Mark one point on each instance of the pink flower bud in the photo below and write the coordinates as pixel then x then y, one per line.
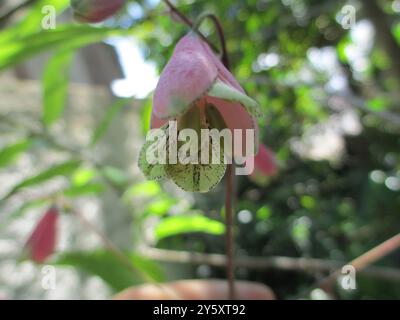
pixel 93 11
pixel 265 162
pixel 41 242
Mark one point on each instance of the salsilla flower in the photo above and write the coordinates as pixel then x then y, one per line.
pixel 41 243
pixel 197 91
pixel 93 11
pixel 265 163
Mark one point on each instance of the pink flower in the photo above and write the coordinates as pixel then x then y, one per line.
pixel 93 11
pixel 197 91
pixel 195 77
pixel 41 242
pixel 265 163
pixel 265 166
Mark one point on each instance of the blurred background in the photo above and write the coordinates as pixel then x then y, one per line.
pixel 75 103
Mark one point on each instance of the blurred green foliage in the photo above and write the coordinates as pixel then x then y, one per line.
pixel 317 208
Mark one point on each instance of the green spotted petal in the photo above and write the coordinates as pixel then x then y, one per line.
pixel 227 92
pixel 197 177
pixel 152 171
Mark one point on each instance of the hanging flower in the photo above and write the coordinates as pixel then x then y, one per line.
pixel 41 242
pixel 265 163
pixel 92 11
pixel 197 91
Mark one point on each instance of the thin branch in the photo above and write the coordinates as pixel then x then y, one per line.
pixel 221 35
pixel 264 263
pixel 385 115
pixel 188 22
pixel 365 259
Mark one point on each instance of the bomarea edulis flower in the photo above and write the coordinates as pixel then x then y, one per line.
pixel 197 91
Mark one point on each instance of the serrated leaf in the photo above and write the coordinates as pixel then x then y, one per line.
pixel 55 86
pixel 226 92
pixel 187 224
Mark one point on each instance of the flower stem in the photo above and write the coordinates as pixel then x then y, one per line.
pixel 220 30
pixel 187 21
pixel 230 268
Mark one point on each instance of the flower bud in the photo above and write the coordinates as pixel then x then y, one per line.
pixel 41 242
pixel 93 11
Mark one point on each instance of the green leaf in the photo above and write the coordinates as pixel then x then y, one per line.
pixel 32 21
pixel 186 224
pixel 10 153
pixel 148 267
pixel 102 264
pixel 68 37
pixel 63 169
pixel 159 207
pixel 145 115
pixel 263 213
pixel 378 103
pixel 83 176
pixel 105 265
pixel 55 86
pixel 115 175
pixel 83 190
pixel 112 111
pixel 144 189
pixel 226 92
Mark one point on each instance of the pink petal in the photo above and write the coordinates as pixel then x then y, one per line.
pixel 236 117
pixel 223 73
pixel 41 243
pixel 93 11
pixel 156 122
pixel 188 76
pixel 265 162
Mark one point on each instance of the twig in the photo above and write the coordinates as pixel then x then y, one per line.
pixel 365 259
pixel 221 35
pixel 188 22
pixel 265 263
